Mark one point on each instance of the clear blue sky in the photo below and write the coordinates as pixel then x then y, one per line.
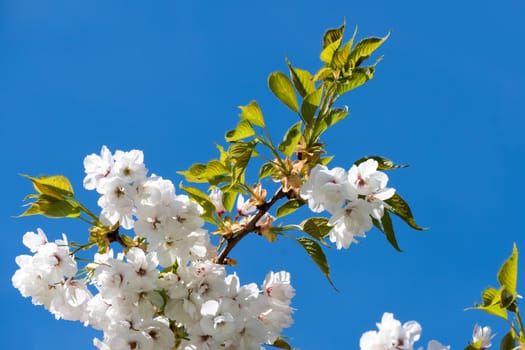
pixel 167 77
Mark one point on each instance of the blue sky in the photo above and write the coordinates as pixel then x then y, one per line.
pixel 167 78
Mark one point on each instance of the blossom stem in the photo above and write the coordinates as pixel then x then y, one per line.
pixel 520 322
pixel 250 226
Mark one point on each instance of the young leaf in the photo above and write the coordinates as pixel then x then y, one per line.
pixel 316 227
pixel 508 342
pixel 267 169
pixel 56 186
pixel 492 303
pixel 240 154
pixel 359 77
pixel 283 89
pixel 279 343
pixel 228 199
pixel 398 206
pixel 204 201
pixel 291 139
pixel 199 172
pixel 323 73
pixel 331 42
pixel 242 131
pixel 302 80
pixel 508 274
pixel 315 252
pixel 364 49
pixel 252 113
pixel 335 115
pixel 340 56
pixel 53 207
pixel 388 230
pixel 382 163
pixel 310 104
pixel 289 207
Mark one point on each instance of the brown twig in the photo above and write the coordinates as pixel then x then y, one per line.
pixel 249 227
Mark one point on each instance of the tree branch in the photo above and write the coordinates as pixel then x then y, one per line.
pixel 250 226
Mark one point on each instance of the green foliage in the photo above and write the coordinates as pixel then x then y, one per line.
pixel 57 186
pixel 508 274
pixel 508 342
pixel 398 206
pixel 364 49
pixel 358 77
pixel 252 113
pixel 386 226
pixel 315 252
pixel 280 343
pixel 52 207
pixel 492 303
pixel 290 206
pixel 283 89
pixel 311 104
pixel 291 139
pixel 331 42
pixel 243 130
pixel 199 172
pixel 500 301
pixel 55 198
pixel 204 200
pixel 302 80
pixel 316 227
pixel 267 169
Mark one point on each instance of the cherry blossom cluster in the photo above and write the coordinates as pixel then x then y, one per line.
pixel 352 197
pixel 159 294
pixel 392 335
pixel 171 223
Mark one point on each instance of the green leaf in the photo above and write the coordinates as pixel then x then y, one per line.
pixel 364 49
pixel 331 42
pixel 289 207
pixel 283 89
pixel 252 113
pixel 53 207
pixel 340 56
pixel 508 342
pixel 57 186
pixel 199 172
pixel 316 227
pixel 324 73
pixel 242 131
pixel 310 104
pixel 398 206
pixel 382 163
pixel 508 274
pixel 240 154
pixel 291 139
pixel 302 80
pixel 228 199
pixel 334 116
pixel 267 169
pixel 359 77
pixel 279 343
pixel 388 230
pixel 326 160
pixel 492 303
pixel 475 346
pixel 204 201
pixel 315 252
